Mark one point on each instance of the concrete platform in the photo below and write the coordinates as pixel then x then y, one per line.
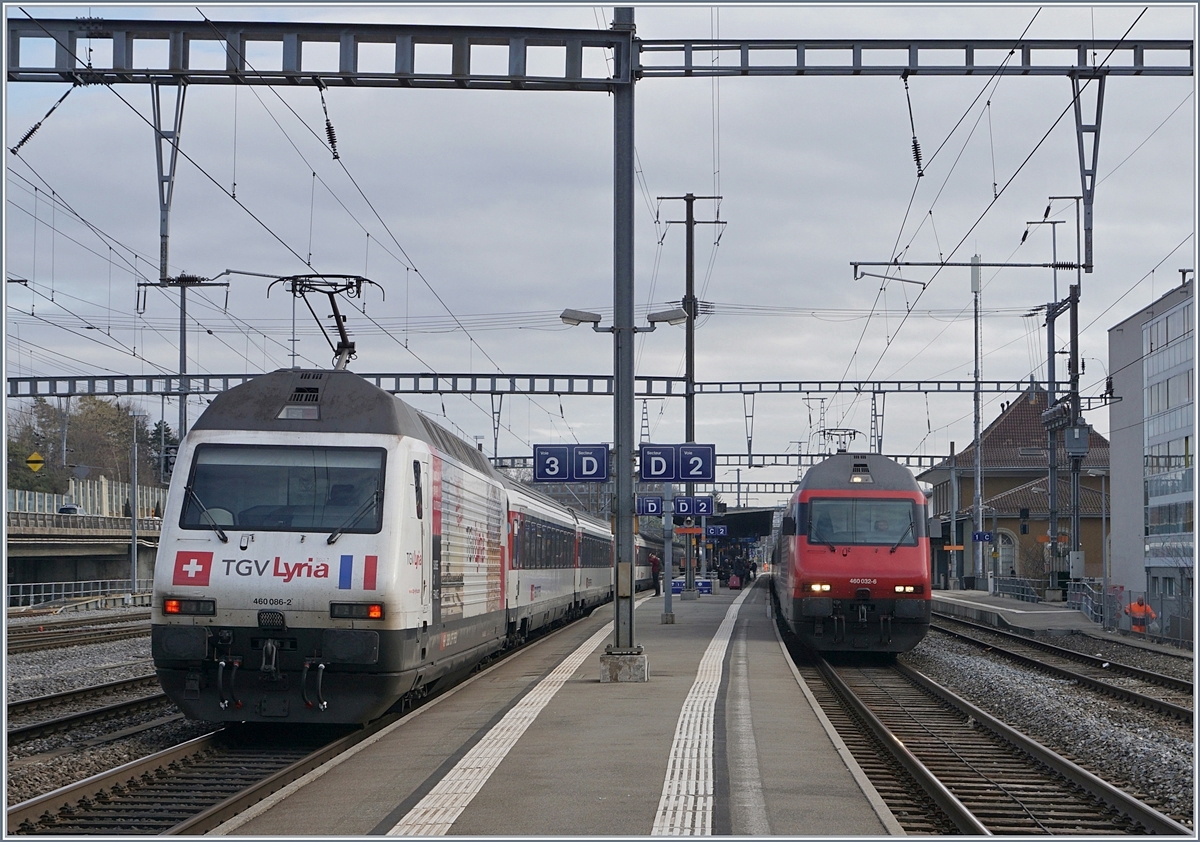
pixel 722 739
pixel 1012 614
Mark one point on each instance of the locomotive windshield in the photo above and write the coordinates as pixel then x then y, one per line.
pixel 861 520
pixel 285 489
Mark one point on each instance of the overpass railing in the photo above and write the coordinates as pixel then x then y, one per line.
pixel 45 523
pixel 44 593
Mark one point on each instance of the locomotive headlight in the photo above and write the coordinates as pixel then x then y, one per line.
pixel 204 607
pixel 356 610
pixel 910 589
pixel 818 587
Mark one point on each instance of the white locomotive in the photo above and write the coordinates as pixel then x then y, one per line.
pixel 327 551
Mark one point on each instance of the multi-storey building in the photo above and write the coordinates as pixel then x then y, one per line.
pixel 1152 360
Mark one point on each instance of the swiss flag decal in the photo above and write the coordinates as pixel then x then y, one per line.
pixel 192 568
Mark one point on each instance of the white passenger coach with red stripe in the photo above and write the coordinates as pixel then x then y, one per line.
pixel 328 552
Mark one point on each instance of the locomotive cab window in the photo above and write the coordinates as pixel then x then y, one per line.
pixel 864 521
pixel 286 489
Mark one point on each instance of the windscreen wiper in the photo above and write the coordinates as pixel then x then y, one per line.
pixel 204 510
pixel 903 535
pixel 356 517
pixel 824 541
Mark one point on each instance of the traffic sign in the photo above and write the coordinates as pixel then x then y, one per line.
pixel 570 463
pixel 716 531
pixel 35 461
pixel 678 462
pixel 981 537
pixel 649 505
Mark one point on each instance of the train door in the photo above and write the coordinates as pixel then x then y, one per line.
pixel 422 494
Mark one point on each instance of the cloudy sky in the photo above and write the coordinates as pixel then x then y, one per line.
pixel 496 211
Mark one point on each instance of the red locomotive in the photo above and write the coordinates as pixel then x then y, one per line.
pixel 853 572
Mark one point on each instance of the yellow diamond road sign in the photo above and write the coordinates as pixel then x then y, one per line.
pixel 35 461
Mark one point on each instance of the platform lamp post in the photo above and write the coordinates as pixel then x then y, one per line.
pixel 133 507
pixel 623 659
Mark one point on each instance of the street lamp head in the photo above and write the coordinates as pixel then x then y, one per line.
pixel 676 316
pixel 576 317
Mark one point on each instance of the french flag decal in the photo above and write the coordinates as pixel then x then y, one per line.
pixel 346 572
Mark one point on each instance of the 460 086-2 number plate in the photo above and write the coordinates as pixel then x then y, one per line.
pixel 272 601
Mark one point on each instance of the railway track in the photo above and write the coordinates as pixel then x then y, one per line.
pixel 151 697
pixel 53 638
pixel 76 622
pixel 1164 694
pixel 984 777
pixel 188 789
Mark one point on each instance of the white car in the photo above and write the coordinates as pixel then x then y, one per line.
pixel 72 509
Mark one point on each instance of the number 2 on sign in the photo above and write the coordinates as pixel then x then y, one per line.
pixel 697 466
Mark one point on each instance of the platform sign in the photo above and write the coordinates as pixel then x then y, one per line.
pixel 981 537
pixel 697 462
pixel 657 462
pixel 570 463
pixel 678 463
pixel 716 531
pixel 589 463
pixel 685 506
pixel 551 463
pixel 649 505
pixel 704 505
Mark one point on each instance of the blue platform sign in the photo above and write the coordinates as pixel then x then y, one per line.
pixel 716 531
pixel 589 463
pixel 685 505
pixel 678 463
pixel 570 463
pixel 657 462
pixel 649 505
pixel 704 505
pixel 551 463
pixel 697 462
pixel 981 537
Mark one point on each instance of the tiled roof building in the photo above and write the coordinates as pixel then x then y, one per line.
pixel 1013 456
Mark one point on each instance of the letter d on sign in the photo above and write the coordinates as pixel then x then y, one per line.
pixel 590 466
pixel 658 466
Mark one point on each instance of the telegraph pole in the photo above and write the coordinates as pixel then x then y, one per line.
pixel 689 395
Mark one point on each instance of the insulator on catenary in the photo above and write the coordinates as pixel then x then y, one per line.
pixel 332 138
pixel 25 139
pixel 917 157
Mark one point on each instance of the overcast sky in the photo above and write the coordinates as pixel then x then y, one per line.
pixel 503 202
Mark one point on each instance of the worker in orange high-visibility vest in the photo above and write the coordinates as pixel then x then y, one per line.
pixel 1137 612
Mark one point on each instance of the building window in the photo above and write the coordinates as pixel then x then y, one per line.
pixel 1154 585
pixel 1008 552
pixel 1169 581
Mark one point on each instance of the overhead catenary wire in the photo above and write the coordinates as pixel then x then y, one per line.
pixel 993 202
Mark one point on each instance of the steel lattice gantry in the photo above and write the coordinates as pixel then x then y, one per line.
pixel 631 59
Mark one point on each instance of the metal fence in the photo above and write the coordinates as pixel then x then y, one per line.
pixel 1016 587
pixel 98 497
pixel 42 593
